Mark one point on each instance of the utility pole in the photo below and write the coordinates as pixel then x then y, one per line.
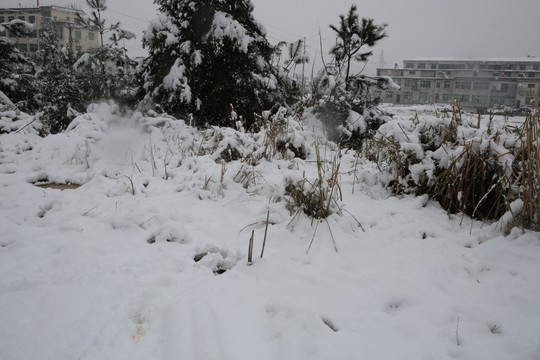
pixel 303 66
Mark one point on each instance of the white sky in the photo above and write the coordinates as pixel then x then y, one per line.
pixel 417 28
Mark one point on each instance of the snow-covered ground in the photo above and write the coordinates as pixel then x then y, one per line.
pixel 108 270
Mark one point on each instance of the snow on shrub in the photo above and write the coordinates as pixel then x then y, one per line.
pixel 12 120
pixel 470 167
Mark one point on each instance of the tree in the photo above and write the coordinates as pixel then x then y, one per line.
pixel 346 104
pixel 110 61
pixel 207 58
pixel 58 84
pixel 16 71
pixel 351 36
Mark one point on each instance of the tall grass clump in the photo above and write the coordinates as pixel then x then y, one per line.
pixel 317 198
pixel 529 171
pixel 481 170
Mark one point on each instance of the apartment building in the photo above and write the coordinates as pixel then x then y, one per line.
pixel 477 84
pixel 47 19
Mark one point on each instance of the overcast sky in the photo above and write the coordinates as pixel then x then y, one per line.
pixel 416 28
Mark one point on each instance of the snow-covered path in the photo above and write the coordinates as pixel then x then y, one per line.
pixel 99 273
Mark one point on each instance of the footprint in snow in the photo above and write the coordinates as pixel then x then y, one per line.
pixel 219 260
pixel 139 320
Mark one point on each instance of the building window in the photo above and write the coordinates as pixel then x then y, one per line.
pixel 446 97
pixel 91 36
pixel 531 86
pixel 33 48
pixel 77 34
pixel 504 87
pixel 409 66
pixel 463 85
pixel 423 96
pixel 409 82
pixel 11 18
pixel 32 19
pixel 479 99
pixel 481 86
pixel 22 18
pixel 408 95
pixel 446 85
pixel 536 67
pixel 421 66
pixel 497 100
pixel 461 97
pixel 2 19
pixel 412 72
pixel 23 48
pixel 522 67
pixel 531 74
pixel 425 83
pixel 438 84
pixel 433 66
pixel 67 18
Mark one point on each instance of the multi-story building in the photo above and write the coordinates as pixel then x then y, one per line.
pixel 476 83
pixel 46 19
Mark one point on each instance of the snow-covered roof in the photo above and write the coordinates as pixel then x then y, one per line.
pixel 38 9
pixel 476 59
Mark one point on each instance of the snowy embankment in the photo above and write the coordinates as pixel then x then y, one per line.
pixel 108 270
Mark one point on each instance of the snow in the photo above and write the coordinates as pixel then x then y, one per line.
pixel 108 270
pixel 176 79
pixel 224 26
pixel 84 60
pixel 390 84
pixel 164 26
pixel 5 100
pixel 301 59
pixel 23 25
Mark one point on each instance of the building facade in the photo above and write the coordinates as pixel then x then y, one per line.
pixel 477 84
pixel 46 19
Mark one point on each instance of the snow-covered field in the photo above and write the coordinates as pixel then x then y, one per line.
pixel 108 270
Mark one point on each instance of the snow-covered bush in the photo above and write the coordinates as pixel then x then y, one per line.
pixel 207 59
pixel 471 168
pixel 12 120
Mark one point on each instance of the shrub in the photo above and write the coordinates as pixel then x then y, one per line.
pixel 482 172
